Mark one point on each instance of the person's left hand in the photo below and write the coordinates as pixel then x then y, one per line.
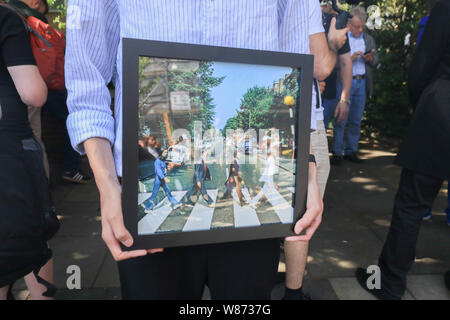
pixel 368 57
pixel 341 111
pixel 314 208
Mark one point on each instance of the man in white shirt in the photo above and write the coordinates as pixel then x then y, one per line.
pixel 95 32
pixel 364 57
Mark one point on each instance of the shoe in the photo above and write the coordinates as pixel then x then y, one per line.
pixel 336 160
pixel 176 206
pixel 362 276
pixel 447 279
pixel 353 157
pixel 427 216
pixel 189 204
pixel 76 177
pixel 253 206
pixel 211 205
pixel 296 295
pixel 149 209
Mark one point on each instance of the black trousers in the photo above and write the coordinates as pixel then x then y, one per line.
pixel 238 270
pixel 415 196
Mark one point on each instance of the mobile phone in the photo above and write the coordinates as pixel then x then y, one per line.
pixel 370 51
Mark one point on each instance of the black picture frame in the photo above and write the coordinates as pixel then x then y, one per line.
pixel 132 50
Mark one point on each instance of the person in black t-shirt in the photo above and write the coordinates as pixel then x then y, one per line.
pixel 23 247
pixel 335 89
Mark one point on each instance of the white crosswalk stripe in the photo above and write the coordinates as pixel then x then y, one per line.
pixel 201 215
pixel 244 216
pixel 143 196
pixel 283 209
pixel 151 222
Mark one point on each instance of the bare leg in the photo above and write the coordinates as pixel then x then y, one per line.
pixel 297 251
pixel 239 189
pixel 4 292
pixel 36 289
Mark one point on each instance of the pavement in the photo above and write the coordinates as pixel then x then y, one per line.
pixel 358 205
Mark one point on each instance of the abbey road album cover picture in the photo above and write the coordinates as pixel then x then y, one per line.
pixel 216 146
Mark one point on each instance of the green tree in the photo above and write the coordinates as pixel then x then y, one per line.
pixel 198 83
pixel 254 108
pixel 61 6
pixel 395 27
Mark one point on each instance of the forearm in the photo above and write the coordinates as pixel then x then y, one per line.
pixel 324 57
pixel 101 160
pixel 324 63
pixel 312 171
pixel 346 76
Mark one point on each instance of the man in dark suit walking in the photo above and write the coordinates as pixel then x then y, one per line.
pixel 424 154
pixel 201 174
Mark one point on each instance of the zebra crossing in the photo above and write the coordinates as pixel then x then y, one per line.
pixel 201 216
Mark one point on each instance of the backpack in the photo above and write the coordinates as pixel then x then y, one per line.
pixel 48 47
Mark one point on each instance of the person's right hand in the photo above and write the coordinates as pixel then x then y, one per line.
pixel 113 228
pixel 322 86
pixel 336 38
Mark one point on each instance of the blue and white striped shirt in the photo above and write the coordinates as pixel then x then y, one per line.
pixel 95 29
pixel 357 44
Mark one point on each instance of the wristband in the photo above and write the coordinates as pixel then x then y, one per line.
pixel 347 101
pixel 312 158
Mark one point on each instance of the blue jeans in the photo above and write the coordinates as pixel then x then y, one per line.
pixel 202 190
pixel 329 105
pixel 158 183
pixel 353 121
pixel 57 107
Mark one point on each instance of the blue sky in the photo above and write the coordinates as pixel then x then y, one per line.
pixel 238 79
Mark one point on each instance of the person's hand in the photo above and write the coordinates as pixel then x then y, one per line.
pixel 314 208
pixel 199 184
pixel 368 57
pixel 336 38
pixel 341 111
pixel 322 85
pixel 356 55
pixel 167 180
pixel 113 228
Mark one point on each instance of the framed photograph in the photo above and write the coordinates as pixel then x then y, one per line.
pixel 215 142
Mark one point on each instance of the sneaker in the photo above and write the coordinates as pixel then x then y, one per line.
pixel 353 157
pixel 76 177
pixel 189 204
pixel 336 160
pixel 427 216
pixel 178 205
pixel 211 205
pixel 362 276
pixel 149 209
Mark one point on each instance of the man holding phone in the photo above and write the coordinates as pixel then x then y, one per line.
pixel 364 57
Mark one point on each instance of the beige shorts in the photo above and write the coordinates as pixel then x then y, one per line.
pixel 319 144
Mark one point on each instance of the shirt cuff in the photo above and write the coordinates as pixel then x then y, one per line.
pixel 83 125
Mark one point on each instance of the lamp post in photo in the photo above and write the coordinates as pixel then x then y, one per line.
pixel 289 102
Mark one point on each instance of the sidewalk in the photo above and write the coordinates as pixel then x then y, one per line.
pixel 358 205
